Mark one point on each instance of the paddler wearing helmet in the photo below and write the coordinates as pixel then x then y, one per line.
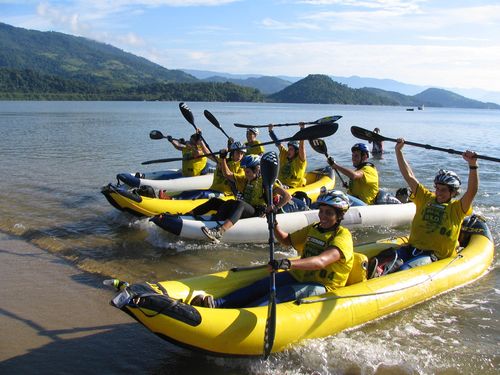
pixel 253 145
pixel 326 259
pixel 363 179
pixel 293 161
pixel 193 164
pixel 438 218
pixel 251 201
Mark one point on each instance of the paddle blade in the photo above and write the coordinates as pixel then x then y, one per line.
pixel 269 166
pixel 319 145
pixel 270 331
pixel 328 119
pixel 211 118
pixel 156 134
pixel 365 134
pixel 186 112
pixel 316 131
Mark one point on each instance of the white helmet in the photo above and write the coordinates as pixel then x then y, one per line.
pixel 336 199
pixel 448 178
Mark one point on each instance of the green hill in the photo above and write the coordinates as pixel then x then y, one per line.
pixel 321 89
pixel 445 98
pixel 56 66
pixel 75 58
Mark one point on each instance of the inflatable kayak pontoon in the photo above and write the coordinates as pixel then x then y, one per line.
pixel 255 229
pixel 130 200
pixel 164 309
pixel 170 180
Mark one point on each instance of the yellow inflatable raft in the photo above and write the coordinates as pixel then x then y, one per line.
pixel 162 308
pixel 130 201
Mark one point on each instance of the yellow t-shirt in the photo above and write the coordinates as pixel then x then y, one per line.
pixel 436 226
pixel 311 241
pixel 365 188
pixel 292 172
pixel 221 183
pixel 192 167
pixel 254 148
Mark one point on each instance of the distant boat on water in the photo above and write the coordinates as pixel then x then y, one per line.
pixel 421 107
pixel 410 109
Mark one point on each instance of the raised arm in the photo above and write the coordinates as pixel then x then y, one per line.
pixel 178 145
pixel 224 167
pixel 302 147
pixel 351 173
pixel 473 180
pixel 404 167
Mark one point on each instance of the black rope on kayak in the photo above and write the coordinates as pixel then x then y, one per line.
pixel 301 301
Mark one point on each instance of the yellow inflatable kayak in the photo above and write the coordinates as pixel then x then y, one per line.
pixel 163 307
pixel 124 199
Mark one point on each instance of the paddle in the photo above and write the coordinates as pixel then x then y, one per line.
pixel 156 134
pixel 316 131
pixel 188 115
pixel 371 136
pixel 319 145
pixel 269 171
pixel 323 120
pixel 214 121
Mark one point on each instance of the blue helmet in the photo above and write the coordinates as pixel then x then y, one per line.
pixel 360 147
pixel 237 146
pixel 448 178
pixel 253 130
pixel 250 161
pixel 336 199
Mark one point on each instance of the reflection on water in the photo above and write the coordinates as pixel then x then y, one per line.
pixel 56 156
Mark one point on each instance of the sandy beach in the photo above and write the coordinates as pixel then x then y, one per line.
pixel 56 319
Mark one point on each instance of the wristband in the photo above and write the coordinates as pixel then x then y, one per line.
pixel 473 167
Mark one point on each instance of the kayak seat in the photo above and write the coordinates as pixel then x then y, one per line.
pixel 359 269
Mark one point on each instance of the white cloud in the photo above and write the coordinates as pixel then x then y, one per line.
pixel 272 24
pixel 442 66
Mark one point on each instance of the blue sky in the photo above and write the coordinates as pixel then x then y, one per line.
pixel 451 43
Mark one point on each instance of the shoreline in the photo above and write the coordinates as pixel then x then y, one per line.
pixel 56 319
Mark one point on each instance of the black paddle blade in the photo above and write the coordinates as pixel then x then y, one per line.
pixel 319 145
pixel 367 135
pixel 270 331
pixel 211 118
pixel 316 131
pixel 156 134
pixel 328 119
pixel 186 112
pixel 323 120
pixel 269 166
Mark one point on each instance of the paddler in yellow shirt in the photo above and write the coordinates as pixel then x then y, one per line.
pixel 293 161
pixel 221 185
pixel 192 163
pixel 326 258
pixel 363 184
pixel 438 218
pixel 253 145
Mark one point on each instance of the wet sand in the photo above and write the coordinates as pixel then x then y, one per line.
pixel 56 319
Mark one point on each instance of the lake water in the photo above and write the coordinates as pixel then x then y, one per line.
pixel 57 155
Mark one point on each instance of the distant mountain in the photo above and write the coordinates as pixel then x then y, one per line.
pixel 447 98
pixel 81 59
pixel 56 66
pixel 398 98
pixel 357 82
pixel 318 88
pixel 266 85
